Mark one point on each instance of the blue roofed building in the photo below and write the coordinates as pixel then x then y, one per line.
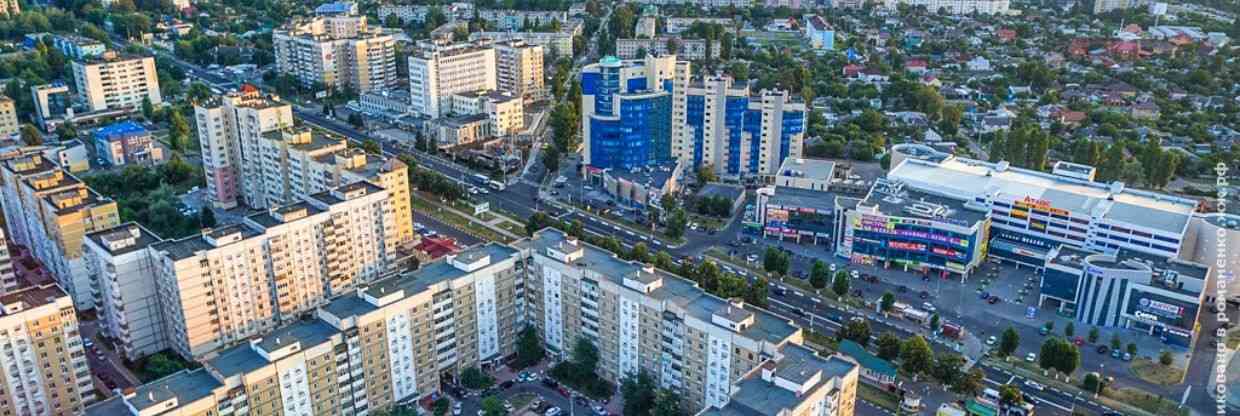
pixel 336 8
pixel 126 142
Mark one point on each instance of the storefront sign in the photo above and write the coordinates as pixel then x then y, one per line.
pixel 1040 204
pixel 1145 316
pixel 900 245
pixel 1161 308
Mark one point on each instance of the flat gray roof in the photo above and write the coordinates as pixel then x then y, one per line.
pixel 756 396
pixel 145 238
pixel 807 168
pixel 186 385
pixel 189 246
pixel 900 205
pixel 242 358
pixel 803 198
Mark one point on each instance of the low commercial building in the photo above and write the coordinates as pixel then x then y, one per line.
pixel 1162 297
pixel 639 188
pixel 803 173
pixel 125 143
pixel 901 227
pixel 390 342
pixel 390 104
pixel 462 130
pixel 720 356
pixel 802 215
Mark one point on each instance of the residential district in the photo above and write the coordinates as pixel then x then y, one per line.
pixel 639 207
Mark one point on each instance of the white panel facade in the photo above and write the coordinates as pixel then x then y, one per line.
pixel 630 336
pixel 718 371
pixel 294 386
pixel 553 322
pixel 400 355
pixel 488 327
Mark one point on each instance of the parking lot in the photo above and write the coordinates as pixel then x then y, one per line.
pixel 547 393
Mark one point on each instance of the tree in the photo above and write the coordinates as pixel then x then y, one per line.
pixel 935 322
pixel 676 224
pixel 1009 342
pixel 441 407
pixel 947 368
pixel 888 346
pixel 529 349
pixel 818 275
pixel 1050 347
pixel 148 109
pixel 1069 330
pixel 178 131
pixel 551 159
pixel 916 356
pixel 474 378
pixel 856 330
pixel 585 356
pixel 841 283
pixel 206 217
pixel 1093 335
pixel 371 146
pixel 640 253
pixel 1050 326
pixel 67 131
pixel 666 403
pixel 1115 342
pixel 357 121
pixel 1165 358
pixel 161 364
pixel 639 393
pixel 887 302
pixel 706 174
pixel 756 292
pixel 30 135
pixel 1010 395
pixel 1132 349
pixel 1093 383
pixel 970 384
pixel 775 261
pixel 492 406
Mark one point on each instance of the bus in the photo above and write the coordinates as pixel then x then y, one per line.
pixel 496 185
pixel 481 179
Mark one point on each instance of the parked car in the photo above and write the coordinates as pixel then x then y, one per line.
pixel 929 307
pixel 581 400
pixel 1044 330
pixel 456 409
pixel 506 385
pixel 1127 357
pixel 925 295
pixel 993 300
pixel 1117 354
pixel 1031 357
pixel 992 340
pixel 1102 349
pixel 553 411
pixel 1078 341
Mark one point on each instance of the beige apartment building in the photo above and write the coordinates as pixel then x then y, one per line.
pixel 126 298
pixel 8 118
pixel 519 67
pixel 113 81
pixel 382 344
pixel 242 280
pixel 228 127
pixel 10 7
pixel 43 369
pixel 50 211
pixel 438 71
pixel 505 113
pixel 338 52
pixel 703 347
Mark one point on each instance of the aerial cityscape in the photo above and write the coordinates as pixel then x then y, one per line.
pixel 637 207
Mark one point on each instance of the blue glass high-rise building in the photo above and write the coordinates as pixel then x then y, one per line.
pixel 737 134
pixel 627 112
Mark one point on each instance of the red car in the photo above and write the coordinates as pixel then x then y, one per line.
pixel 1078 341
pixel 563 391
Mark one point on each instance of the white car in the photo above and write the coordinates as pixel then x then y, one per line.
pixel 553 411
pixel 1034 385
pixel 992 340
pixel 1031 357
pixel 929 307
pixel 456 409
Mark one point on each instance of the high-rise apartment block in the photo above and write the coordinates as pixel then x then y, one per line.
pixel 337 51
pixel 8 280
pixel 519 69
pixel 113 81
pixel 126 298
pixel 389 342
pixel 736 133
pixel 50 211
pixel 707 349
pixel 436 72
pixel 1103 6
pixel 229 126
pixel 10 7
pixel 43 368
pixel 8 117
pixel 242 280
pixel 252 154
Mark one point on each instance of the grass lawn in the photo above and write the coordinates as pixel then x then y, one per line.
pixel 879 397
pixel 1146 401
pixel 1156 373
pixel 1233 339
pixel 426 206
pixel 825 344
pixel 520 400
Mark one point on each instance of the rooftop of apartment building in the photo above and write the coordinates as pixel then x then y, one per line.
pixel 428 50
pixel 416 281
pixel 758 394
pixel 461 121
pixel 244 358
pixel 73 200
pixel 346 192
pixel 209 239
pixel 185 386
pixel 894 199
pixel 22 162
pixel 359 162
pixel 48 176
pixel 251 97
pixel 112 56
pixel 30 295
pixel 965 178
pixel 491 94
pixel 304 139
pixel 676 292
pixel 124 238
pixel 284 214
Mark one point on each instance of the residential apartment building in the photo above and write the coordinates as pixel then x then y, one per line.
pixel 704 348
pixel 959 6
pixel 50 211
pixel 691 49
pixel 43 370
pixel 230 127
pixel 736 133
pixel 8 280
pixel 558 43
pixel 337 51
pixel 78 47
pixel 519 69
pixel 386 343
pixel 1103 6
pixel 436 72
pixel 505 114
pixel 53 105
pixel 8 118
pixel 126 295
pixel 509 20
pixel 231 283
pixel 112 81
